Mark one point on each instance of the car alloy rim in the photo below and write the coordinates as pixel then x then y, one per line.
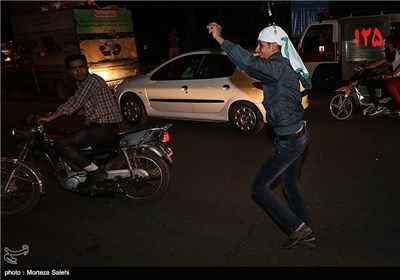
pixel 245 118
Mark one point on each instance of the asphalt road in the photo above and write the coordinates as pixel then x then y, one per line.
pixel 207 223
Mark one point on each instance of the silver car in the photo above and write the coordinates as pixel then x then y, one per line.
pixel 198 86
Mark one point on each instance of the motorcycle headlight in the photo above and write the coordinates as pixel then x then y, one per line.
pixel 19 134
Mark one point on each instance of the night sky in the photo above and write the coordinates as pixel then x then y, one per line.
pixel 241 20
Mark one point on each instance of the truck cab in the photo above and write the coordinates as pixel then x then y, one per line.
pixel 332 48
pixel 319 49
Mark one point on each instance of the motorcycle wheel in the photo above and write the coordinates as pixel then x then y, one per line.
pixel 24 193
pixel 152 181
pixel 341 107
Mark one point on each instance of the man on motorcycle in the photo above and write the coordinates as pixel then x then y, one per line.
pixel 94 101
pixel 392 81
pixel 391 60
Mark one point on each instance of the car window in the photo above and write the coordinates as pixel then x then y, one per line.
pixel 184 67
pixel 317 34
pixel 216 66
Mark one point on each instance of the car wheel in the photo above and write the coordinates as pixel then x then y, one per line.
pixel 133 110
pixel 246 118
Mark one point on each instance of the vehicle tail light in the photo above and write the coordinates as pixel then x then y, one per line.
pixel 257 85
pixel 164 137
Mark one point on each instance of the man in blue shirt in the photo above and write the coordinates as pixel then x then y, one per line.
pixel 280 70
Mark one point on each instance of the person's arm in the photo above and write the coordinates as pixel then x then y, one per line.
pixel 255 67
pixel 215 29
pixel 376 64
pixel 50 117
pixel 74 103
pixel 373 65
pixel 395 74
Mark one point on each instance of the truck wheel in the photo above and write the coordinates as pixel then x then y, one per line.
pixel 326 78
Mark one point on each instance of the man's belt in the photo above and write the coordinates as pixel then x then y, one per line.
pixel 293 136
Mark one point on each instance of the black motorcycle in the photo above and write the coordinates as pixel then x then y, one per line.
pixel 138 165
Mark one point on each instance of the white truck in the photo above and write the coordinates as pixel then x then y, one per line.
pixel 105 36
pixel 332 48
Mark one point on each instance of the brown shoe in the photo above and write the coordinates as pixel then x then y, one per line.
pixel 296 236
pixel 310 242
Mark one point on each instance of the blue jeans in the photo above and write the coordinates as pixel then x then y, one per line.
pixel 284 161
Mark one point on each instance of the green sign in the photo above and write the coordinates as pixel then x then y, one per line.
pixel 103 21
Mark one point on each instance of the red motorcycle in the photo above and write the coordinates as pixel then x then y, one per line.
pixel 354 97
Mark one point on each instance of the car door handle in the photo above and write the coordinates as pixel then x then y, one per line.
pixel 226 87
pixel 184 88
